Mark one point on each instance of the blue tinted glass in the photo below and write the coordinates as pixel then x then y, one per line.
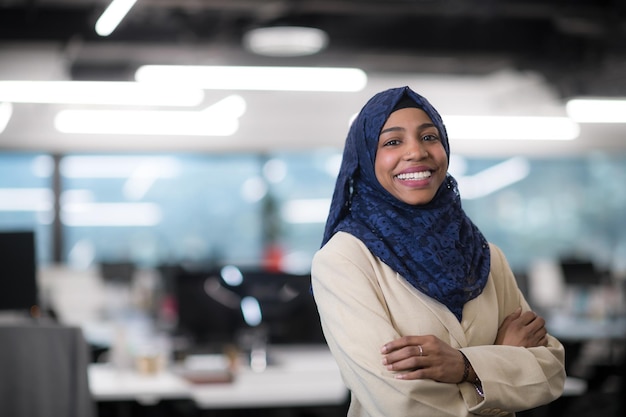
pixel 152 209
pixel 560 207
pixel 302 185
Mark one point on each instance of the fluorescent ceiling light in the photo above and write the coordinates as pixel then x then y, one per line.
pixel 220 119
pixel 255 78
pixel 493 178
pixel 112 16
pixel 511 127
pixel 285 41
pixel 597 110
pixel 6 111
pixel 98 92
pixel 111 214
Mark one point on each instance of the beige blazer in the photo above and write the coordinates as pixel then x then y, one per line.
pixel 363 304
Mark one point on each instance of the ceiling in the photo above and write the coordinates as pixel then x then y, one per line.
pixel 572 47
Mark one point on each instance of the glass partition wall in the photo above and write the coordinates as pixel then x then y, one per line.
pixel 256 210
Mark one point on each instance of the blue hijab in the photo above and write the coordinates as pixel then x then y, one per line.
pixel 434 246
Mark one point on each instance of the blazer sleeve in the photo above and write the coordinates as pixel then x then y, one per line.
pixel 356 324
pixel 514 378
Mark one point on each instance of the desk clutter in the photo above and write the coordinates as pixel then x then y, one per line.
pixel 214 340
pixel 207 369
pixel 181 312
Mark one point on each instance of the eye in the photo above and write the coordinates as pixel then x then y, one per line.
pixel 430 137
pixel 391 142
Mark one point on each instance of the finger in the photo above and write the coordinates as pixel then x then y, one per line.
pixel 403 354
pixel 528 317
pixel 400 343
pixel 511 318
pixel 541 320
pixel 406 364
pixel 411 375
pixel 534 326
pixel 535 318
pixel 542 334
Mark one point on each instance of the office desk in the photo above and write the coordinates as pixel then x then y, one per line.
pixel 297 376
pixel 111 384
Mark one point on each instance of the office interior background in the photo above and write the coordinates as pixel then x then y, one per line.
pixel 129 144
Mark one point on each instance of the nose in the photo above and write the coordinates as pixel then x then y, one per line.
pixel 415 150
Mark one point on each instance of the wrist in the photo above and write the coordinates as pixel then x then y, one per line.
pixel 467 369
pixel 469 375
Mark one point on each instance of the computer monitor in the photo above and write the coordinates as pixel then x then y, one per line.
pixel 580 272
pixel 117 272
pixel 209 313
pixel 287 306
pixel 18 280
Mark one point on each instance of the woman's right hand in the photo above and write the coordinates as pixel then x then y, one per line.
pixel 522 329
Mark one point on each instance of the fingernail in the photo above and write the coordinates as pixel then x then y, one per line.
pixel 383 349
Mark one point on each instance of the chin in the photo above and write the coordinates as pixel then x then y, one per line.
pixel 417 201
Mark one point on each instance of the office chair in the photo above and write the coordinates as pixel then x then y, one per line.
pixel 43 369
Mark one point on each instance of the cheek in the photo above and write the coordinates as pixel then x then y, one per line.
pixel 439 154
pixel 382 166
pixel 385 161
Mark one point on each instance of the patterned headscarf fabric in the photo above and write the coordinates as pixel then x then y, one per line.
pixel 434 246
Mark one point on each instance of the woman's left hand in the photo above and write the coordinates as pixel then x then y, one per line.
pixel 423 357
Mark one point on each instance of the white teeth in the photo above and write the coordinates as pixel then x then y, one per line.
pixel 414 175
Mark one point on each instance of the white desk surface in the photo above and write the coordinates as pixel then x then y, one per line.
pixel 298 376
pixel 111 384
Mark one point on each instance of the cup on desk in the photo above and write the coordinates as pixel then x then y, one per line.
pixel 152 354
pixel 152 357
pixel 149 364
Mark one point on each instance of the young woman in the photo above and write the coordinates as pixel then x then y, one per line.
pixel 422 314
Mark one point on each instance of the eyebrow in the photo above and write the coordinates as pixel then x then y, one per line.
pixel 398 128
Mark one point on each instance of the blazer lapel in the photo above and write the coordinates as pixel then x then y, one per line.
pixel 443 314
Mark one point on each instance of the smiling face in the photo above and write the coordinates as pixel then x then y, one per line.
pixel 411 162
